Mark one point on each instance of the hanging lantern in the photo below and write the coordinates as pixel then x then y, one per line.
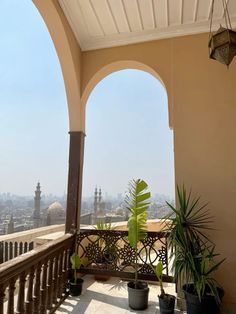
pixel 222 44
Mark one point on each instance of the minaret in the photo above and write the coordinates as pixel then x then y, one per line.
pixel 36 214
pixel 10 225
pixel 100 196
pixel 95 201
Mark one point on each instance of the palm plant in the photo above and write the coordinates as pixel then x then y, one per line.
pixel 137 203
pixel 109 251
pixel 191 249
pixel 102 225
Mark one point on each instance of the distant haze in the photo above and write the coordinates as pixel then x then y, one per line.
pixel 127 133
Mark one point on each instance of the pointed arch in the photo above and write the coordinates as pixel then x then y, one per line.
pixel 117 66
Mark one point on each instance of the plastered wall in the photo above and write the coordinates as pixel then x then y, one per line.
pixel 202 101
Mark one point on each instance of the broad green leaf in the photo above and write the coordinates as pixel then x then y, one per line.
pixel 75 261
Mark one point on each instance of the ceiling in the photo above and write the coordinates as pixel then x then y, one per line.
pixel 107 23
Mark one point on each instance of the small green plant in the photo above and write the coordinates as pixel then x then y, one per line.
pixel 108 250
pixel 159 273
pixel 137 203
pixel 75 263
pixel 102 225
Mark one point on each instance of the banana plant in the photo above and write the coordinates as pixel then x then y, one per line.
pixel 137 203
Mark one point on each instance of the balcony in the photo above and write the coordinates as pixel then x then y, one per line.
pixel 36 281
pixel 109 297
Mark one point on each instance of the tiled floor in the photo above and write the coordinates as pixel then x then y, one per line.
pixel 108 297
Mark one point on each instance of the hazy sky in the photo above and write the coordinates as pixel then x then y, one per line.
pixel 128 134
pixel 127 118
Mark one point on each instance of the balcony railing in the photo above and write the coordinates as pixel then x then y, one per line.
pixel 15 244
pixel 109 253
pixel 35 282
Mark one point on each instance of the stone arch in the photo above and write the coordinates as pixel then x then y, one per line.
pixel 116 66
pixel 68 52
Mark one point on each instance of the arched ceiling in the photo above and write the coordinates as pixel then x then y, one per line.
pixel 107 23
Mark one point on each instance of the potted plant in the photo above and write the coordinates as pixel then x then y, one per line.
pixel 75 284
pixel 166 301
pixel 137 202
pixel 108 250
pixel 193 253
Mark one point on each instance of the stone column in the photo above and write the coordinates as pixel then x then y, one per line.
pixel 74 190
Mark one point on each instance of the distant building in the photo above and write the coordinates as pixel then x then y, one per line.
pixel 101 211
pixel 55 214
pixel 52 215
pixel 10 225
pixel 36 213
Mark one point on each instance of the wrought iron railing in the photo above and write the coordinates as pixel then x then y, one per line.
pixel 108 252
pixel 35 282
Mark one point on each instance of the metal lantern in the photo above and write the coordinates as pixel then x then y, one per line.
pixel 222 44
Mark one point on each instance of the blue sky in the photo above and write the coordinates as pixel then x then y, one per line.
pixel 126 127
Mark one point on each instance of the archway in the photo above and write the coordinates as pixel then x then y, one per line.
pixel 117 66
pixel 150 113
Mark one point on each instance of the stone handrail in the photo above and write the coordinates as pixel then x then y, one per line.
pixel 15 244
pixel 30 235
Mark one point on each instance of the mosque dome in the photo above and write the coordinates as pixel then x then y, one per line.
pixel 119 211
pixel 56 209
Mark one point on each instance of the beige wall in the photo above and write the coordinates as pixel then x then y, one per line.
pixel 202 109
pixel 202 97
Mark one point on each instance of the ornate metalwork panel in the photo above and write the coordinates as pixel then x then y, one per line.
pixel 108 252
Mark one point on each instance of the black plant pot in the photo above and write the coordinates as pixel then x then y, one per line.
pixel 207 305
pixel 76 288
pixel 167 304
pixel 138 296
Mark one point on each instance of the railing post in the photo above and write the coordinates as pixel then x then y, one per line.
pixel 76 157
pixel 29 300
pixel 36 296
pixel 11 290
pixel 49 284
pixel 43 290
pixel 2 296
pixel 21 295
pixel 55 281
pixel 60 283
pixel 64 271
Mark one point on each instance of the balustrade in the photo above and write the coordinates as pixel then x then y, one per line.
pixel 109 253
pixel 35 282
pixel 10 250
